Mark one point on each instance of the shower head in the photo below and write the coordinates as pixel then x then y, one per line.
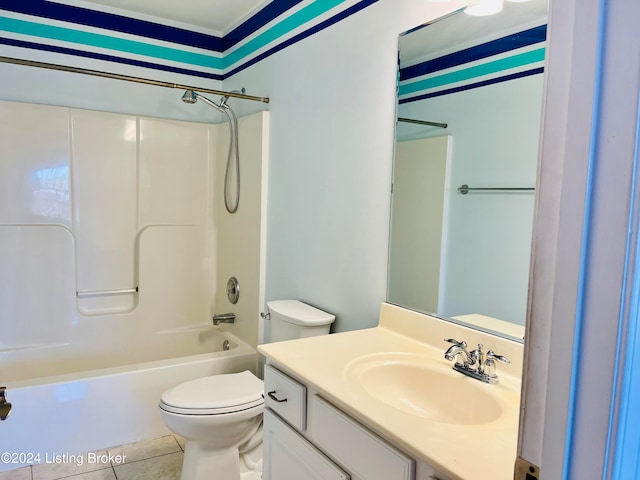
pixel 189 97
pixel 192 97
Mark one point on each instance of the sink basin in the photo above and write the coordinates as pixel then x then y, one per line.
pixel 419 386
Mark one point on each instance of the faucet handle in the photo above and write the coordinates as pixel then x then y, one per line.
pixel 491 355
pixel 489 366
pixel 455 342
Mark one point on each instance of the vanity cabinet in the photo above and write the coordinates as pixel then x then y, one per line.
pixel 308 438
pixel 288 456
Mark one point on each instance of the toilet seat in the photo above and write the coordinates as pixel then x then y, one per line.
pixel 215 395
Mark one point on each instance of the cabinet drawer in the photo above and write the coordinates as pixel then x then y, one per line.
pixel 286 397
pixel 352 446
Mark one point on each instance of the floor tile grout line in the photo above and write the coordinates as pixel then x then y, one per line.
pixel 176 439
pixel 144 459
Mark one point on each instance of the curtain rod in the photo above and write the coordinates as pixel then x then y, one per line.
pixel 128 78
pixel 422 122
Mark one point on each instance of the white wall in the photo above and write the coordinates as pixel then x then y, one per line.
pixel 333 98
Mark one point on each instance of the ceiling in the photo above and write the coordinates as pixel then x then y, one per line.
pixel 460 30
pixel 218 15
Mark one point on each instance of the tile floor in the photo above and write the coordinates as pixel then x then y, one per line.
pixel 156 459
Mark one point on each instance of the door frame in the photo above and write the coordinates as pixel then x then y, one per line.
pixel 582 260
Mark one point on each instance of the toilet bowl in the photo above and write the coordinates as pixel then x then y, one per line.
pixel 220 417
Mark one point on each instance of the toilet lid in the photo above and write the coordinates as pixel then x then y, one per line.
pixel 216 394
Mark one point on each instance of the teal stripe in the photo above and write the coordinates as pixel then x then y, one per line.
pixel 488 68
pixel 284 27
pixel 104 41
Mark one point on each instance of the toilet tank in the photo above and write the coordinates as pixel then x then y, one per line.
pixel 290 319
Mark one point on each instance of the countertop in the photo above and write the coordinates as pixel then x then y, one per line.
pixel 469 452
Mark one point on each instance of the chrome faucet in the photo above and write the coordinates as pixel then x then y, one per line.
pixel 224 318
pixel 475 364
pixel 458 348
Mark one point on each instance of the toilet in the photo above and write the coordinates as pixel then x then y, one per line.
pixel 220 416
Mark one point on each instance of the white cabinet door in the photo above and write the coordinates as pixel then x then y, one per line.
pixel 288 456
pixel 354 447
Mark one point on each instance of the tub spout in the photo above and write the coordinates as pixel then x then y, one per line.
pixel 224 318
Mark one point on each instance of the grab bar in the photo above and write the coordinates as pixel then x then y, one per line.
pixel 464 189
pixel 91 293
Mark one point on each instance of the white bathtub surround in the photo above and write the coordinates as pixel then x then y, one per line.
pixel 92 410
pixel 105 202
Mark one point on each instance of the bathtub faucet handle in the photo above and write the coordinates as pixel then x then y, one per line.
pixel 223 318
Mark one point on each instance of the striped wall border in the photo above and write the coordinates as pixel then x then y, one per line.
pixel 508 58
pixel 73 31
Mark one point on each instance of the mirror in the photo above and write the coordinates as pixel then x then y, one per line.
pixel 469 112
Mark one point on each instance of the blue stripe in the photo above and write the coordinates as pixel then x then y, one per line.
pixel 280 29
pixel 257 21
pixel 111 58
pixel 110 21
pixel 470 86
pixel 469 73
pixel 108 58
pixel 307 33
pixel 108 42
pixel 478 52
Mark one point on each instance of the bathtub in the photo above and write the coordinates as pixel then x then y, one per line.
pixel 67 413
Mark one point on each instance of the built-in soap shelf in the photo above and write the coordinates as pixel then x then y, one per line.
pixel 103 302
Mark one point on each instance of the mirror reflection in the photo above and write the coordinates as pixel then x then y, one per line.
pixel 469 111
